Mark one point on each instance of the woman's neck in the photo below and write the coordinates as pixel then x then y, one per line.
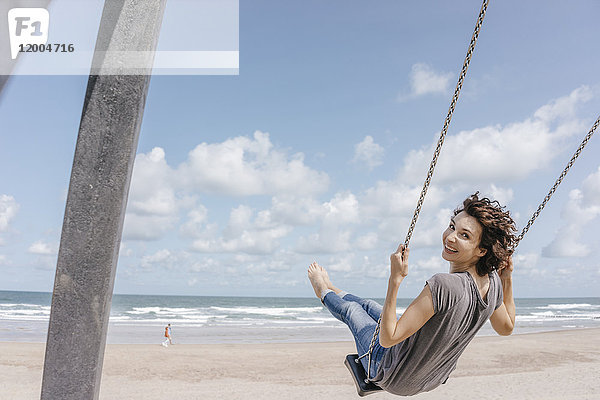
pixel 471 268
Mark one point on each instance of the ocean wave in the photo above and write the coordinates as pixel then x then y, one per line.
pixel 542 317
pixel 225 313
pixel 268 310
pixel 569 306
pixel 25 312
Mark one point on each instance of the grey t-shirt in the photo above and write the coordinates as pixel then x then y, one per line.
pixel 424 361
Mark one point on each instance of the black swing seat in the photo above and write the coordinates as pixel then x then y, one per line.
pixel 363 386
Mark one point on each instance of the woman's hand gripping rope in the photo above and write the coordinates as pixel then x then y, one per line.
pixel 394 330
pixel 399 264
pixel 506 269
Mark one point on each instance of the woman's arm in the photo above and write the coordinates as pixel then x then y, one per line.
pixel 503 319
pixel 394 331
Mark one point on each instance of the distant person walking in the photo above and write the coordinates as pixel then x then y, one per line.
pixel 168 339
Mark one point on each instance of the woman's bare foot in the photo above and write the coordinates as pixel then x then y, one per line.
pixel 328 281
pixel 318 278
pixel 325 276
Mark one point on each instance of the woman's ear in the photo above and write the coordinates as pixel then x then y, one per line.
pixel 482 252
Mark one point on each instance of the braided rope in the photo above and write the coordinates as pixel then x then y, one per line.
pixel 558 181
pixel 438 148
pixel 440 142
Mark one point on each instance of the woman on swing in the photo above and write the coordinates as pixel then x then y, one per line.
pixel 417 352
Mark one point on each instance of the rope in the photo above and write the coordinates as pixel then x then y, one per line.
pixel 438 148
pixel 558 181
pixel 440 142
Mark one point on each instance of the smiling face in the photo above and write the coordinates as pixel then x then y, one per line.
pixel 461 242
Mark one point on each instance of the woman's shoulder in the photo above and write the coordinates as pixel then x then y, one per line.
pixel 446 290
pixel 494 278
pixel 452 282
pixel 448 278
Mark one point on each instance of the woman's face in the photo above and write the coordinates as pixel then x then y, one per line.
pixel 461 242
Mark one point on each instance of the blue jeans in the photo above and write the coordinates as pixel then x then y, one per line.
pixel 361 316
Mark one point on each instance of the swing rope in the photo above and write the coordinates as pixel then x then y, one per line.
pixel 436 153
pixel 558 181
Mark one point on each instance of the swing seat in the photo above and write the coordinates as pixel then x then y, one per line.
pixel 363 386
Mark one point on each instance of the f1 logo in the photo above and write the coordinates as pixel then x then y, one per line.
pixel 27 26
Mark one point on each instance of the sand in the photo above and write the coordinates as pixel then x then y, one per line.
pixel 554 365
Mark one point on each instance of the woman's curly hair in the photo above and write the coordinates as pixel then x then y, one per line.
pixel 497 235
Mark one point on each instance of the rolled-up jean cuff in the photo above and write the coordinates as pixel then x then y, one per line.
pixel 324 293
pixel 342 294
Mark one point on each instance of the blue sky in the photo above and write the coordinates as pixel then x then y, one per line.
pixel 318 149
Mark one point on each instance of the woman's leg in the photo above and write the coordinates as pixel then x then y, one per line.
pixel 361 324
pixel 373 308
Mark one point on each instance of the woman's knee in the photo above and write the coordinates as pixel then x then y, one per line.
pixel 372 304
pixel 350 309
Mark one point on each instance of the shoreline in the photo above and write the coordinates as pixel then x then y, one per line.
pixel 124 333
pixel 341 336
pixel 550 365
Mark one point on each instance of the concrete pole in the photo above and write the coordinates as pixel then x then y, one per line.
pixel 93 222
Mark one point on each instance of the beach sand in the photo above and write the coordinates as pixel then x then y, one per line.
pixel 554 365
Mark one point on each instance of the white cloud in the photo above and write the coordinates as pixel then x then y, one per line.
pixel 502 195
pixel 295 211
pixel 367 241
pixel 242 167
pixel 282 260
pixel 387 199
pixel 42 248
pixel 164 258
pixel 245 232
pixel 431 265
pixel 591 190
pixel 368 153
pixel 301 221
pixel 3 260
pixel 564 107
pixel 151 189
pixel 342 209
pixel 152 207
pixel 565 272
pixel 502 153
pixel 582 208
pixel 327 240
pixel 390 205
pixel 430 228
pixel 124 250
pixel 146 227
pixel 342 264
pixel 260 231
pixel 195 222
pixel 377 270
pixel 527 264
pixel 425 80
pixel 8 210
pixel 206 264
pixel 44 262
pixel 567 244
pixel 334 235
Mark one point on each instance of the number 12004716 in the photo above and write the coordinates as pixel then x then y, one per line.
pixel 47 48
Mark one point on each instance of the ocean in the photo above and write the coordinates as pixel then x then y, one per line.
pixel 196 319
